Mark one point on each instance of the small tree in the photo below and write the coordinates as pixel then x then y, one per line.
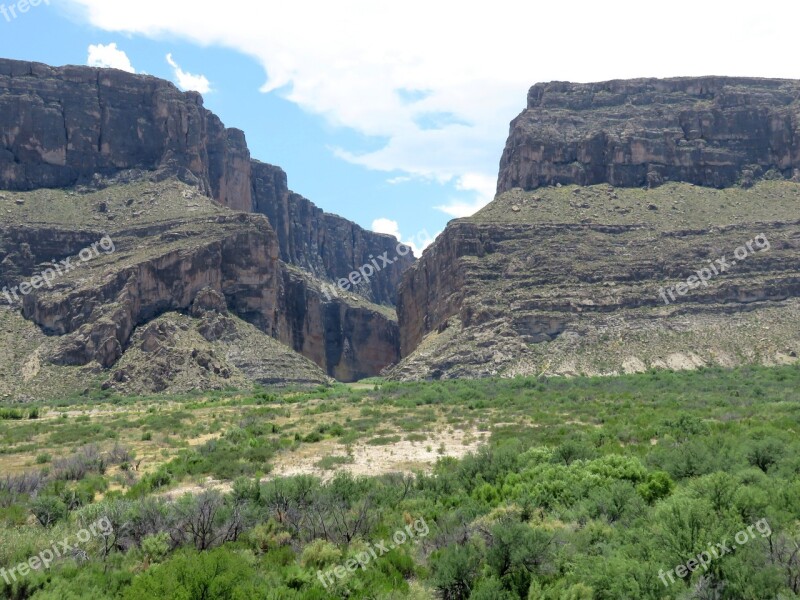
pixel 48 510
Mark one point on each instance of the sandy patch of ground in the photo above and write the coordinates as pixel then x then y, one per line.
pixel 403 456
pixel 32 367
pixel 679 361
pixel 195 489
pixel 15 464
pixel 633 364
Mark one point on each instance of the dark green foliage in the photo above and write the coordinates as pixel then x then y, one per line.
pixel 48 510
pixel 585 489
pixel 455 571
pixel 216 575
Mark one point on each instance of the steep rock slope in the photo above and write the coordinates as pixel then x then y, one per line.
pixel 711 131
pixel 104 134
pixel 69 125
pixel 172 245
pixel 564 279
pixel 323 244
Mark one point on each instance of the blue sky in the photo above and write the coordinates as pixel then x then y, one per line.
pixel 395 116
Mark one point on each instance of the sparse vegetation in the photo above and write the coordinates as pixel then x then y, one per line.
pixel 582 488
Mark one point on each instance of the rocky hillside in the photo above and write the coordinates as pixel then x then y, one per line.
pixel 65 126
pixel 710 131
pixel 172 250
pixel 323 244
pixel 86 153
pixel 149 269
pixel 558 278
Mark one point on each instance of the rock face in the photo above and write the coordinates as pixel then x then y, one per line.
pixel 323 244
pixel 62 126
pixel 174 250
pixel 353 339
pixel 102 129
pixel 575 283
pixel 554 278
pixel 711 131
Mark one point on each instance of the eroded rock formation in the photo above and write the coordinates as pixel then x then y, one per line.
pixel 102 130
pixel 62 126
pixel 324 244
pixel 555 278
pixel 711 131
pixel 176 251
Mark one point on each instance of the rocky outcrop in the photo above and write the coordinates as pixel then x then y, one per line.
pixel 63 126
pixel 586 281
pixel 710 131
pixel 103 129
pixel 434 289
pixel 353 338
pixel 324 244
pixel 70 125
pixel 176 251
pixel 612 196
pixel 239 260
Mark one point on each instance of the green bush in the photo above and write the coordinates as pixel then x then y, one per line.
pixel 320 555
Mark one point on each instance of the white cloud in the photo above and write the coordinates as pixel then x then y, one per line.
pixel 417 243
pixel 109 56
pixel 483 189
pixel 188 81
pixel 458 208
pixel 386 226
pixel 441 83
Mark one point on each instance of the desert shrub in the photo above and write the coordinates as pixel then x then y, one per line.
pixel 156 547
pixel 219 574
pixel 455 570
pixel 48 510
pixel 765 453
pixel 320 554
pixel 657 486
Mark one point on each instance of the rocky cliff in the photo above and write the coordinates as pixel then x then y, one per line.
pixel 711 131
pixel 601 254
pixel 63 126
pixel 324 244
pixel 96 150
pixel 156 250
pixel 70 125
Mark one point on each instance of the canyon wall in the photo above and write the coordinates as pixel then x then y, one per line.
pixel 710 131
pixel 95 129
pixel 610 196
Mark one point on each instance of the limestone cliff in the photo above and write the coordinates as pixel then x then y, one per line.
pixel 324 244
pixel 63 126
pixel 711 131
pixel 70 134
pixel 69 125
pixel 612 196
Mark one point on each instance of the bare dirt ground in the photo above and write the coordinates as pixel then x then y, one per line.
pixel 403 456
